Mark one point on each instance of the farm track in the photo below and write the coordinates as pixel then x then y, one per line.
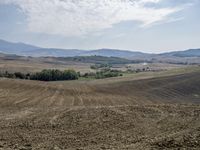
pixel 155 113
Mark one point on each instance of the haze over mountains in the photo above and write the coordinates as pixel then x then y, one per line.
pixel 34 51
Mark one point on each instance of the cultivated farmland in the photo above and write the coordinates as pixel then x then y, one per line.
pixel 143 111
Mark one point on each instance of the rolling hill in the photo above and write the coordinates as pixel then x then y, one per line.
pixel 129 113
pixel 29 50
pixel 177 57
pixel 33 51
pixel 178 88
pixel 186 53
pixel 52 52
pixel 15 48
pixel 114 53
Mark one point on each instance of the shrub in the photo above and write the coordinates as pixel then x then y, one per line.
pixel 55 75
pixel 108 74
pixel 19 75
pixel 89 75
pixel 104 73
pixel 100 66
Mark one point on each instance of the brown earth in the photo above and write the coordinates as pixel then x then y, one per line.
pixel 13 63
pixel 149 113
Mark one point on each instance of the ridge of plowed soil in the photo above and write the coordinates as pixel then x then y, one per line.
pixel 155 113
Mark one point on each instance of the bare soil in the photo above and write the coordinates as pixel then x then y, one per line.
pixel 155 113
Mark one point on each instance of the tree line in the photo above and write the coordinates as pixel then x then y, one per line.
pixel 58 75
pixel 44 75
pixel 104 73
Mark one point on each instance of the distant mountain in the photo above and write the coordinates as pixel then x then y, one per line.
pixel 29 50
pixel 53 52
pixel 34 51
pixel 22 49
pixel 186 53
pixel 113 53
pixel 15 48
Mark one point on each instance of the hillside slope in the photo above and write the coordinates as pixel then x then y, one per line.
pixel 34 51
pixel 186 53
pixel 15 48
pixel 102 114
pixel 190 56
pixel 182 88
pixel 115 53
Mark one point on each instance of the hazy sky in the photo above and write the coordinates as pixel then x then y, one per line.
pixel 144 25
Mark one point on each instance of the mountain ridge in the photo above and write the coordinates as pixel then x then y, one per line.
pixel 23 49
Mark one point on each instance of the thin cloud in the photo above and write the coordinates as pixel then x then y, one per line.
pixel 82 17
